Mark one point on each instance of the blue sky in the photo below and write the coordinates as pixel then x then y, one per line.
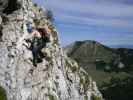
pixel 109 22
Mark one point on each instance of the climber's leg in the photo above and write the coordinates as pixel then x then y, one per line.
pixel 41 45
pixel 34 52
pixel 40 54
pixel 37 54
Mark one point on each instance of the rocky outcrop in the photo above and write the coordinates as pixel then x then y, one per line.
pixel 8 6
pixel 57 77
pixel 3 5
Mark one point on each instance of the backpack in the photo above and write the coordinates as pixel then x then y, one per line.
pixel 44 34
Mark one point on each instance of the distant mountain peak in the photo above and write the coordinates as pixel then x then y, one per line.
pixel 105 64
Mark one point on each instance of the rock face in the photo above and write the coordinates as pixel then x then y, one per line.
pixel 8 6
pixel 56 78
pixel 3 4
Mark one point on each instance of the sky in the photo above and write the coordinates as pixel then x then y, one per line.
pixel 109 22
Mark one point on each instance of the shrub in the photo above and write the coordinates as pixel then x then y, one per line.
pixel 49 15
pixel 85 97
pixel 2 94
pixel 35 4
pixel 51 97
pixel 94 97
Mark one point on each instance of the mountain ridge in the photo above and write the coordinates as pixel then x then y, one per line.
pixel 111 68
pixel 97 50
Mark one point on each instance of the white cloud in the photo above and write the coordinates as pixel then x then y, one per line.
pixel 96 21
pixel 108 13
pixel 90 7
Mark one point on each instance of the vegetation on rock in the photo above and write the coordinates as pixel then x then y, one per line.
pixel 94 97
pixel 51 97
pixel 2 94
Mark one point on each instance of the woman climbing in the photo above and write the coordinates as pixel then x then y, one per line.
pixel 39 37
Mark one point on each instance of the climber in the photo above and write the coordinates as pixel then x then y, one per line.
pixel 36 46
pixel 39 39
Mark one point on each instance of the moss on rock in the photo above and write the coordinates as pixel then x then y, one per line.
pixel 94 97
pixel 2 94
pixel 51 97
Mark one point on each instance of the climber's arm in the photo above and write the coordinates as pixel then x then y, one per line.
pixel 29 37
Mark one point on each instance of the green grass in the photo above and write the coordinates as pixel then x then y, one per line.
pixel 94 97
pixel 2 94
pixel 51 97
pixel 85 97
